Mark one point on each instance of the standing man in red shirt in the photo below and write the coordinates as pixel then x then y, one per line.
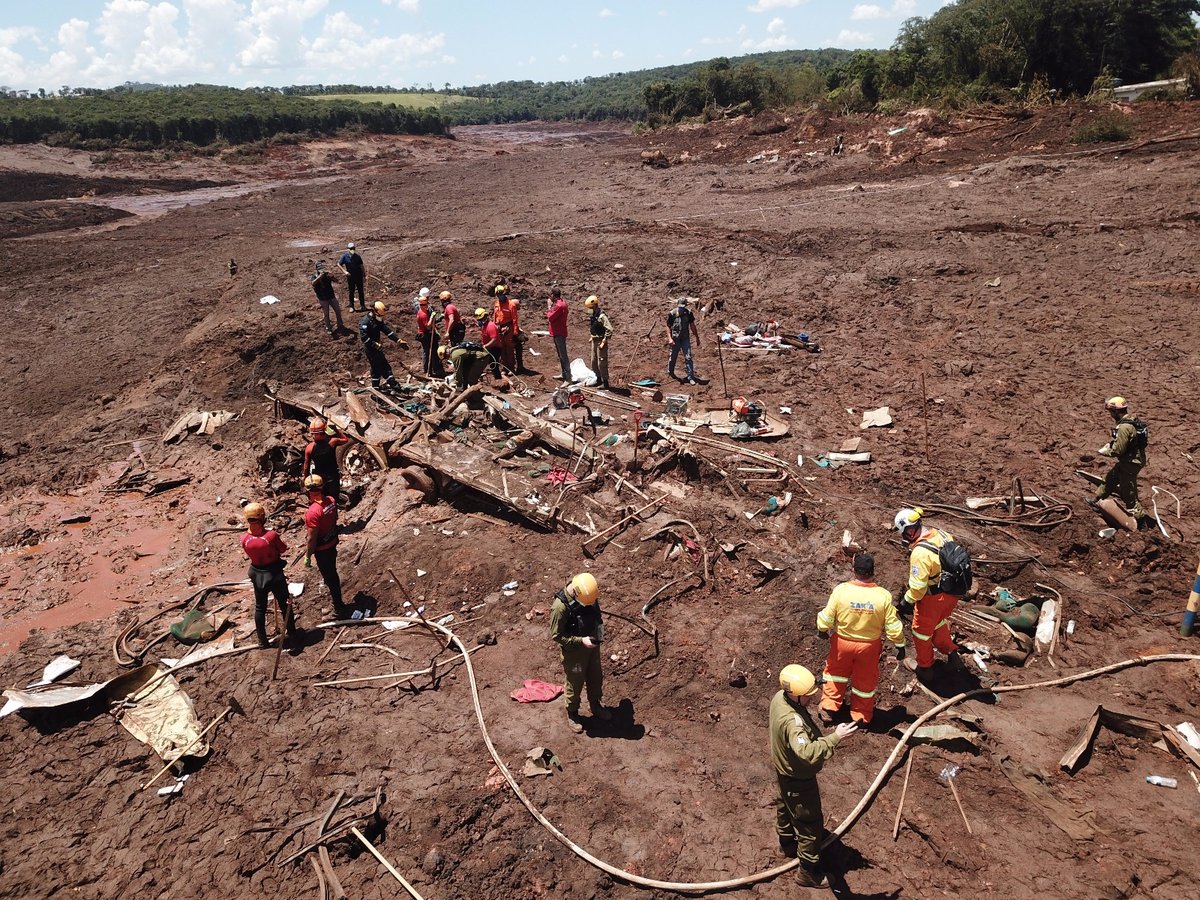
pixel 489 339
pixel 321 521
pixel 320 456
pixel 557 310
pixel 431 364
pixel 456 328
pixel 266 548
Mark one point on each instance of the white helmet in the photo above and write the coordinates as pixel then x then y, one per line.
pixel 907 518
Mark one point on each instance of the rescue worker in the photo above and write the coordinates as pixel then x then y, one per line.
pixel 431 363
pixel 373 329
pixel 520 338
pixel 576 626
pixel 504 317
pixel 266 549
pixel 469 364
pixel 798 751
pixel 355 270
pixel 600 328
pixel 929 607
pixel 1128 445
pixel 321 521
pixel 557 311
pixel 320 456
pixel 489 338
pixel 681 328
pixel 853 621
pixel 456 328
pixel 322 285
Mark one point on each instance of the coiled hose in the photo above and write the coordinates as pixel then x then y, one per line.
pixel 704 887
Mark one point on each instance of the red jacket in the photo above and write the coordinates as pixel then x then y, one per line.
pixel 321 518
pixel 489 333
pixel 557 316
pixel 264 549
pixel 424 322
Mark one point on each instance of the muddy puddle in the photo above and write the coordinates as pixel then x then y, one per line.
pixel 150 205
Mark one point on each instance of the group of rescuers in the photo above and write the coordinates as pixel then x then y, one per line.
pixel 499 343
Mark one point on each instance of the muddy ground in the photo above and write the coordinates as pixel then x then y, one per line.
pixel 1014 277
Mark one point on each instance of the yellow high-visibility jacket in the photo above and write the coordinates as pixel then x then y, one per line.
pixel 924 567
pixel 860 611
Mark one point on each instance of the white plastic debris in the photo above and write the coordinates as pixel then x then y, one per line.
pixel 295 588
pixel 421 573
pixel 173 788
pixel 1190 734
pixel 786 410
pixel 511 586
pixel 56 669
pixel 269 300
pixel 1071 627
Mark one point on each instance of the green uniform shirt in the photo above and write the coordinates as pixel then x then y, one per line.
pixel 559 632
pixel 1123 445
pixel 797 748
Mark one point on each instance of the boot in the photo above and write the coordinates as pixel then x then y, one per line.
pixel 808 875
pixel 263 643
pixel 573 721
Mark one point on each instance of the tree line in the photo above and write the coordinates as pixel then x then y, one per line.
pixel 199 115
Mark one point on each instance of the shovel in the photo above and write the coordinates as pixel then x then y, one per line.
pixel 233 707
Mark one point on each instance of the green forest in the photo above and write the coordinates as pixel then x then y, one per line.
pixel 198 115
pixel 968 52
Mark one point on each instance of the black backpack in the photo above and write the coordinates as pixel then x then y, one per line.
pixel 1142 434
pixel 955 563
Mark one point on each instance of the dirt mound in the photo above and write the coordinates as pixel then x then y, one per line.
pixel 986 279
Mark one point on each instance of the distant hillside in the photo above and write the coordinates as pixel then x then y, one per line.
pixel 769 77
pixel 200 115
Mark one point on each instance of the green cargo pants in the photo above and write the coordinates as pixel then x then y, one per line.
pixel 1122 481
pixel 581 666
pixel 798 817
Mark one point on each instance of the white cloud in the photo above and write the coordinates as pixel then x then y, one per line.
pixel 900 9
pixel 563 58
pixel 617 54
pixel 596 54
pixel 775 25
pixel 411 6
pixel 778 42
pixel 606 12
pixel 344 45
pixel 715 42
pixel 848 38
pixel 768 5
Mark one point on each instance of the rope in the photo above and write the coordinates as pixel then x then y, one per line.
pixel 704 887
pixel 1043 517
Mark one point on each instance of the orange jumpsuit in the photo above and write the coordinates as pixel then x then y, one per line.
pixel 857 613
pixel 931 618
pixel 504 315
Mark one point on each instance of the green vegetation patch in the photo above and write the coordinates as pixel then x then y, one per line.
pixel 411 99
pixel 199 115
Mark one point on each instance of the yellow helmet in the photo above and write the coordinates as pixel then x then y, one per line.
pixel 480 313
pixel 584 588
pixel 1116 403
pixel 380 309
pixel 445 295
pixel 797 681
pixel 254 512
pixel 443 351
pixel 501 289
pixel 314 483
pixel 591 301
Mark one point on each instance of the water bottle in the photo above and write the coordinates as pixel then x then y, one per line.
pixel 1162 781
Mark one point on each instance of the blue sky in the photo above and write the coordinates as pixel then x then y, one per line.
pixel 100 43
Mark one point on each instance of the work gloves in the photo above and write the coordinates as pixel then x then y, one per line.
pixel 823 635
pixel 905 609
pixel 901 651
pixel 1106 450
